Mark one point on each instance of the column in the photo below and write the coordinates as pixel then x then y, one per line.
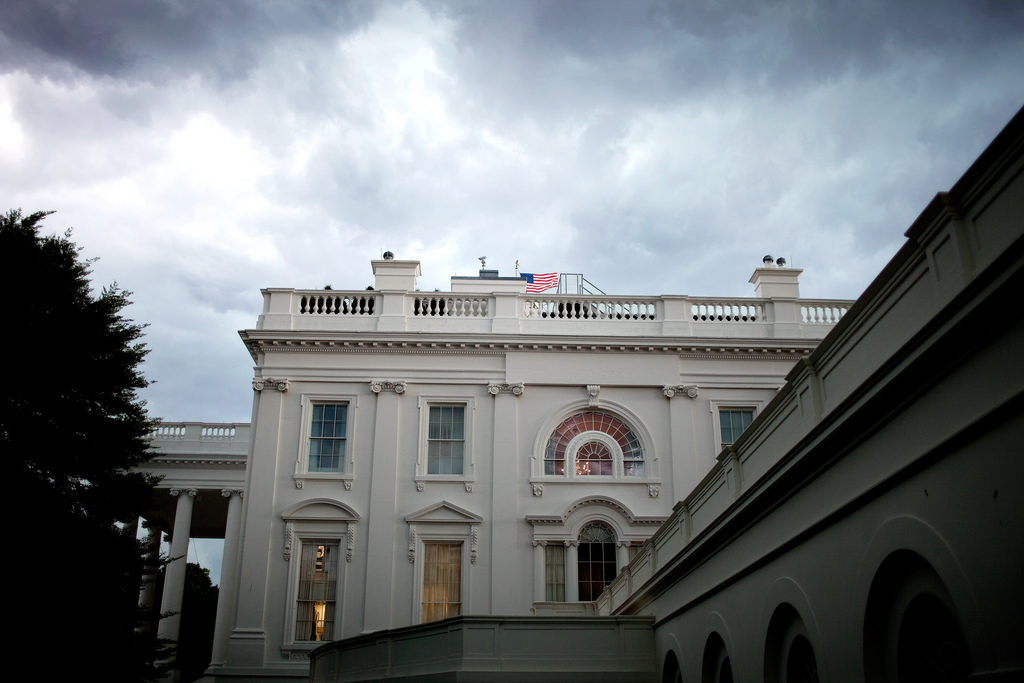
pixel 621 555
pixel 572 571
pixel 509 590
pixel 147 591
pixel 228 578
pixel 382 527
pixel 685 475
pixel 174 574
pixel 247 646
pixel 539 571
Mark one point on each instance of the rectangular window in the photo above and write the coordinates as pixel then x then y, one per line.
pixel 442 581
pixel 327 437
pixel 446 439
pixel 318 581
pixel 733 421
pixel 554 573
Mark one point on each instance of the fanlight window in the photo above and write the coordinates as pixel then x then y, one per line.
pixel 594 443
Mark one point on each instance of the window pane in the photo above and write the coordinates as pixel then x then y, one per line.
pixel 442 581
pixel 446 439
pixel 733 421
pixel 596 560
pixel 327 435
pixel 318 581
pixel 554 573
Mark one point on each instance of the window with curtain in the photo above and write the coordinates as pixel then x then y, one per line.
pixel 318 581
pixel 554 572
pixel 596 563
pixel 442 581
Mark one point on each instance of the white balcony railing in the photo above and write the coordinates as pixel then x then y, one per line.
pixel 822 312
pixel 171 432
pixel 510 313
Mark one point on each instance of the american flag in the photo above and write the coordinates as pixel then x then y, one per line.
pixel 539 282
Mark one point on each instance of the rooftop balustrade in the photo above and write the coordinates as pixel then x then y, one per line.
pixel 546 314
pixel 221 438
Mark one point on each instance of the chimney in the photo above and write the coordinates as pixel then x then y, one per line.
pixel 393 275
pixel 775 281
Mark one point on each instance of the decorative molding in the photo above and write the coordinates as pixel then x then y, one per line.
pixel 261 383
pixel 494 348
pixel 514 388
pixel 378 385
pixel 350 542
pixel 653 490
pixel 412 545
pixel 592 391
pixel 347 483
pixel 289 534
pixel 689 390
pixel 178 491
pixel 474 543
pixel 556 520
pixel 420 486
pixel 538 490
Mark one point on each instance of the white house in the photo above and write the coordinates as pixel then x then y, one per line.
pixel 483 451
pixel 512 459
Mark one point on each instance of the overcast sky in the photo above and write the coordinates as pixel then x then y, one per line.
pixel 203 150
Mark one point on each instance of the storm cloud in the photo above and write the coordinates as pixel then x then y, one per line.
pixel 204 150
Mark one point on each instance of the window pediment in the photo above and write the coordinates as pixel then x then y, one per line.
pixel 320 510
pixel 442 513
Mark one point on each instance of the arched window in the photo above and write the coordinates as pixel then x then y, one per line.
pixel 594 444
pixel 596 565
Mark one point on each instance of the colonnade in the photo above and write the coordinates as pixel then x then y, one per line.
pixel 172 596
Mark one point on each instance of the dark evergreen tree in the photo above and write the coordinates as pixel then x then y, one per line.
pixel 71 429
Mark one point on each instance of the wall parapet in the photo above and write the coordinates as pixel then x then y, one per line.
pixel 610 649
pixel 512 313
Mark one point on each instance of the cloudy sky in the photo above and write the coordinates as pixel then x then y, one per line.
pixel 203 150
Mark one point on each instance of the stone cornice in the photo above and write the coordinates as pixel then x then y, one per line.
pixel 220 461
pixel 760 349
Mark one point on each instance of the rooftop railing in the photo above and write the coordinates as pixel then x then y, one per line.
pixel 510 313
pixel 173 433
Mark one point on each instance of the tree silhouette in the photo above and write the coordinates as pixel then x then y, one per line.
pixel 71 429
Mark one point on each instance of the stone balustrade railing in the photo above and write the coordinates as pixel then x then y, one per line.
pixel 727 310
pixel 822 312
pixel 567 307
pixel 199 431
pixel 450 305
pixel 511 313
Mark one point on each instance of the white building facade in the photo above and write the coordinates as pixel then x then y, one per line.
pixel 482 451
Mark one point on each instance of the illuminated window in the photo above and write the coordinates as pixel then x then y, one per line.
pixel 446 439
pixel 594 444
pixel 327 437
pixel 442 581
pixel 318 580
